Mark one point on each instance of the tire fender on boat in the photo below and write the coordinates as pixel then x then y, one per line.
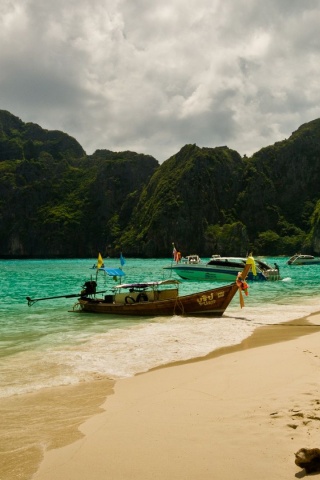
pixel 142 297
pixel 129 299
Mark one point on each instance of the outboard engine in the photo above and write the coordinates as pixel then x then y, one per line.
pixel 89 288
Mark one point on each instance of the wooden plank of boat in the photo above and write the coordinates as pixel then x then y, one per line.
pixel 211 302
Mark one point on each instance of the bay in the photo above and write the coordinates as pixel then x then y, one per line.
pixel 46 350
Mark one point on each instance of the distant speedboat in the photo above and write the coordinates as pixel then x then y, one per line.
pixel 299 259
pixel 221 269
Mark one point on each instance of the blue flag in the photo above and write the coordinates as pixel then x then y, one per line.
pixel 122 260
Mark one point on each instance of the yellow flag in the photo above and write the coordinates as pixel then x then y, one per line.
pixel 250 260
pixel 100 261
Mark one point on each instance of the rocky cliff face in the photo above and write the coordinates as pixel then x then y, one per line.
pixel 282 181
pixel 57 201
pixel 25 141
pixel 195 188
pixel 315 232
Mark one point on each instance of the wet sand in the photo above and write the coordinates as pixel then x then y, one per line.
pixel 240 412
pixel 34 423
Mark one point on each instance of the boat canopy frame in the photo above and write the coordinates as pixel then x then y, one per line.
pixel 143 285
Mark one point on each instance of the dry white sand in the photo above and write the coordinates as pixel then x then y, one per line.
pixel 240 415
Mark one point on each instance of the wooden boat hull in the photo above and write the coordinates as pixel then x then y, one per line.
pixel 208 303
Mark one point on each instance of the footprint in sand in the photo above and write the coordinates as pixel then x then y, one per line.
pixel 299 417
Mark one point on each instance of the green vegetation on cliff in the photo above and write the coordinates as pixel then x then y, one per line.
pixel 56 201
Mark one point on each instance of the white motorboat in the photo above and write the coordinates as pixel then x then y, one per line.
pixel 300 259
pixel 221 269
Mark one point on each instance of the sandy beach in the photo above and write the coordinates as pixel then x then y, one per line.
pixel 240 413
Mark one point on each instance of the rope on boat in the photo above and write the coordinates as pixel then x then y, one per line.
pixel 76 307
pixel 180 304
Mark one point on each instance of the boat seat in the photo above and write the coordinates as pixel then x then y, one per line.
pixel 121 297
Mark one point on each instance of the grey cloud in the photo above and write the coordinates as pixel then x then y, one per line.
pixel 151 77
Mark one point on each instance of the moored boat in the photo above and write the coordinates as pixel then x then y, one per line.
pixel 300 259
pixel 222 269
pixel 191 259
pixel 160 299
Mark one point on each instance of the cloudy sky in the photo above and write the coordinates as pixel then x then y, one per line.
pixel 153 75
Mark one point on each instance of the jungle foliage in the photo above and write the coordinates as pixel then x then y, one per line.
pixel 57 201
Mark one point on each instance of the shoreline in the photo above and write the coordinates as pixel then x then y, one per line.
pixel 34 423
pixel 228 410
pixel 263 335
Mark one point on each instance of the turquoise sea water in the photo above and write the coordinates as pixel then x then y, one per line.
pixel 57 367
pixel 47 345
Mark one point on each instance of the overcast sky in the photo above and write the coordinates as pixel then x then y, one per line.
pixel 153 75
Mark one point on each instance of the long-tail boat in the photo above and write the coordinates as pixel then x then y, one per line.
pixel 160 299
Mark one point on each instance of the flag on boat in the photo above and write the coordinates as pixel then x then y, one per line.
pixel 122 260
pixel 100 261
pixel 174 253
pixel 250 261
pixel 243 287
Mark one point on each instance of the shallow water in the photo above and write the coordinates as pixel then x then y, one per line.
pixel 46 351
pixel 46 345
